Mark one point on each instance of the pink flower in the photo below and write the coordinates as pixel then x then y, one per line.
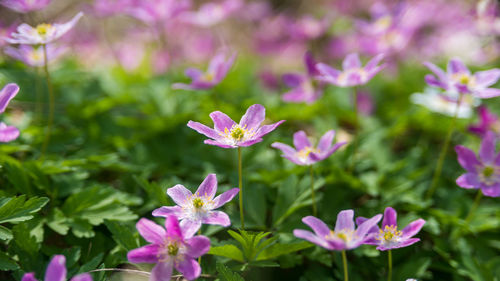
pixel 25 6
pixel 56 271
pixel 304 87
pixel 33 55
pixel 487 122
pixel 7 133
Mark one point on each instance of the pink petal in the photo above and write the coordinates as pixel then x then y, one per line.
pixel 218 143
pixel 197 246
pixel 208 187
pixel 189 268
pixel 286 149
pixel 456 66
pixel 6 94
pixel 367 226
pixel 225 197
pixel 56 271
pixel 190 226
pixel 151 232
pixel 179 194
pixel 254 116
pixel 317 225
pixel 162 271
pixel 469 181
pixel 413 228
pixel 266 129
pixel 390 217
pixel 487 78
pixel 467 159
pixel 218 218
pixel 351 61
pixel 300 140
pixel 145 254
pixel 311 237
pixel 8 133
pixel 82 277
pixel 345 220
pixel 221 121
pixel 487 148
pixel 166 211
pixel 173 228
pixel 204 130
pixel 326 140
pixel 29 277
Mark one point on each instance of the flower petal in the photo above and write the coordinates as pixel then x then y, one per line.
pixel 204 130
pixel 173 228
pixel 253 117
pixel 487 78
pixel 293 79
pixel 193 73
pixel 162 271
pixel 366 226
pixel 8 133
pixel 29 277
pixel 328 72
pixel 326 141
pixel 390 218
pixel 467 159
pixel 468 180
pixel 374 62
pixel 217 217
pixel 285 148
pixel 189 268
pixel 491 191
pixel 221 121
pixel 56 271
pixel 6 94
pixel 351 61
pixel 317 225
pixel 311 237
pixel 250 142
pixel 225 197
pixel 197 246
pixel 345 220
pixel 144 254
pixel 456 66
pixel 179 194
pixel 82 277
pixel 218 143
pixel 310 64
pixel 208 187
pixel 487 148
pixel 166 211
pixel 266 129
pixel 441 75
pixel 402 244
pixel 488 93
pixel 300 140
pixel 190 226
pixel 151 232
pixel 413 228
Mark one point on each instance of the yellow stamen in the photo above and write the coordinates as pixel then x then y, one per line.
pixel 43 29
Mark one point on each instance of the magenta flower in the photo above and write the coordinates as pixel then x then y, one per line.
pixel 157 11
pixel 228 134
pixel 389 237
pixel 344 237
pixel 482 172
pixel 304 88
pixel 7 133
pixel 458 78
pixel 56 271
pixel 487 122
pixel 308 28
pixel 168 249
pixel 42 33
pixel 353 73
pixel 217 71
pixel 25 6
pixel 195 209
pixel 33 55
pixel 211 13
pixel 304 152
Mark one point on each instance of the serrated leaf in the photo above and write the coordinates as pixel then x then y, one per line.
pixel 122 235
pixel 6 263
pixel 5 233
pixel 282 249
pixel 225 274
pixel 17 209
pixel 228 251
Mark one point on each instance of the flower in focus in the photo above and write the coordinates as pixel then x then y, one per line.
pixel 25 6
pixel 168 249
pixel 210 14
pixel 56 271
pixel 194 209
pixel 458 78
pixel 7 133
pixel 229 134
pixel 304 88
pixel 482 172
pixel 487 122
pixel 445 102
pixel 33 55
pixel 216 72
pixel 344 237
pixel 42 33
pixel 353 73
pixel 305 153
pixel 389 237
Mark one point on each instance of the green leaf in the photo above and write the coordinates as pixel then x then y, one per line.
pixel 228 251
pixel 123 235
pixel 5 233
pixel 17 209
pixel 282 249
pixel 225 274
pixel 6 263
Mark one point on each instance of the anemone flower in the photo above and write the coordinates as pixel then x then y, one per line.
pixel 56 271
pixel 7 133
pixel 33 55
pixel 169 248
pixel 195 209
pixel 304 87
pixel 25 6
pixel 488 121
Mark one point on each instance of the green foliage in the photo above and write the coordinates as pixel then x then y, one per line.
pixel 225 274
pixel 18 209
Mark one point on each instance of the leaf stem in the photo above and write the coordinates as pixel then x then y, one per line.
pixel 240 185
pixel 474 206
pixel 344 261
pixel 51 101
pixel 389 275
pixel 315 209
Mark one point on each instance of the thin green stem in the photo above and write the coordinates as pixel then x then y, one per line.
pixel 344 261
pixel 474 206
pixel 240 185
pixel 199 258
pixel 442 154
pixel 51 102
pixel 389 275
pixel 315 210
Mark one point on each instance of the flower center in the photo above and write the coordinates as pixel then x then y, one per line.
pixel 208 77
pixel 43 29
pixel 303 154
pixel 172 249
pixel 383 23
pixel 198 203
pixel 237 133
pixel 389 235
pixel 488 171
pixel 464 79
pixel 345 235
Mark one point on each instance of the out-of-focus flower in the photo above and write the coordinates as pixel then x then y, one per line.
pixel 269 79
pixel 304 152
pixel 25 6
pixel 459 79
pixel 7 133
pixel 344 237
pixel 157 11
pixel 365 103
pixel 308 28
pixel 216 72
pixel 389 237
pixel 353 73
pixel 482 172
pixel 56 271
pixel 487 122
pixel 445 102
pixel 195 209
pixel 105 8
pixel 5 31
pixel 33 55
pixel 42 33
pixel 168 249
pixel 210 14
pixel 304 88
pixel 229 134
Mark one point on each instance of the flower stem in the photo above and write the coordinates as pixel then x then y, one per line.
pixel 442 154
pixel 199 258
pixel 474 206
pixel 389 275
pixel 344 261
pixel 240 185
pixel 51 101
pixel 315 210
